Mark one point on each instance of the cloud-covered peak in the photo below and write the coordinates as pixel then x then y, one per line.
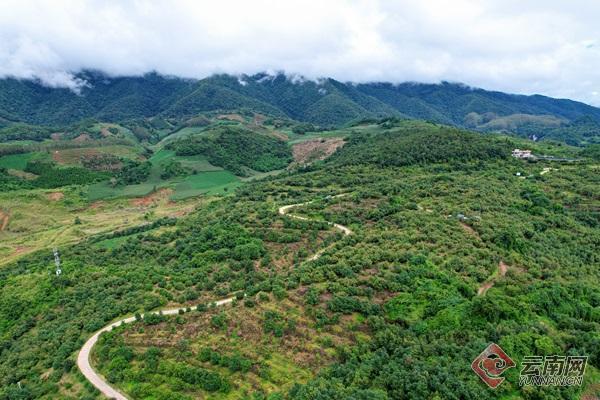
pixel 534 47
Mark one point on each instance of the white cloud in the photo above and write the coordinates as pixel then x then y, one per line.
pixel 549 47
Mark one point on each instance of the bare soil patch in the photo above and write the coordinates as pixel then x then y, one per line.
pixel 484 288
pixel 470 230
pixel 316 149
pixel 82 138
pixel 57 157
pixel 21 250
pixel 105 132
pixel 280 135
pixel 55 196
pixel 502 269
pixel 231 117
pixel 97 204
pixel 152 198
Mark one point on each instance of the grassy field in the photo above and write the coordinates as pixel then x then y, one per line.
pixel 198 163
pixel 181 134
pixel 42 219
pixel 104 190
pixel 207 180
pixel 17 161
pixel 74 156
pixel 217 182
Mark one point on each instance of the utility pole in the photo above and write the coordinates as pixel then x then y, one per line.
pixel 57 262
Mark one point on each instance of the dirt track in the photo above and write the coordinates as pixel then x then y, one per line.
pixel 502 269
pixel 4 218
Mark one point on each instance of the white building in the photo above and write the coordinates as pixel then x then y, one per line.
pixel 518 153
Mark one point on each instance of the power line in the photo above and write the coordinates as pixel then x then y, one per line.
pixel 57 262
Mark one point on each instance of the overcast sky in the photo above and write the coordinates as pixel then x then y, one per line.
pixel 550 47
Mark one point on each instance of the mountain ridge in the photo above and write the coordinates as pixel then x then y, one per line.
pixel 324 102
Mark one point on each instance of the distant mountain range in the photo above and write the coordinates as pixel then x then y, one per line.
pixel 325 102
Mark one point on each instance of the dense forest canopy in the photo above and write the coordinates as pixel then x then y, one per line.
pixel 236 149
pixel 27 108
pixel 421 144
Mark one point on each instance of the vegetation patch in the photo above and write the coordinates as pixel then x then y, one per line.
pixel 50 176
pixel 237 150
pixel 419 145
pixel 217 182
pixel 16 161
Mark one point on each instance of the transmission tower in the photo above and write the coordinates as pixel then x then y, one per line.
pixel 57 262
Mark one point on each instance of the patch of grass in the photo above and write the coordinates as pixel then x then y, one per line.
pixel 198 163
pixel 40 220
pixel 113 243
pixel 74 156
pixel 217 182
pixel 104 190
pixel 17 161
pixel 161 156
pixel 281 368
pixel 192 130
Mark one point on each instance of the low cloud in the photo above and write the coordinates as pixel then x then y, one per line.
pixel 548 47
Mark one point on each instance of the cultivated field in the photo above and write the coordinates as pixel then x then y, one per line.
pixel 41 219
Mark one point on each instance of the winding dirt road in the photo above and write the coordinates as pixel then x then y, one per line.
pixel 83 358
pixel 284 211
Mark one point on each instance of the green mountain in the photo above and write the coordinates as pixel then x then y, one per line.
pixel 324 102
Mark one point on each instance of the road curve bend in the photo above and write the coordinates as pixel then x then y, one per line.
pixel 83 358
pixel 284 211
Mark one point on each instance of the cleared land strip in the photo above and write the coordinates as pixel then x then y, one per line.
pixel 502 269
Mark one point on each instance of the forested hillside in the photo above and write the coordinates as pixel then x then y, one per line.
pixel 236 149
pixel 419 144
pixel 450 250
pixel 325 102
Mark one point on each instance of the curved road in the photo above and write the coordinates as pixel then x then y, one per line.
pixel 83 358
